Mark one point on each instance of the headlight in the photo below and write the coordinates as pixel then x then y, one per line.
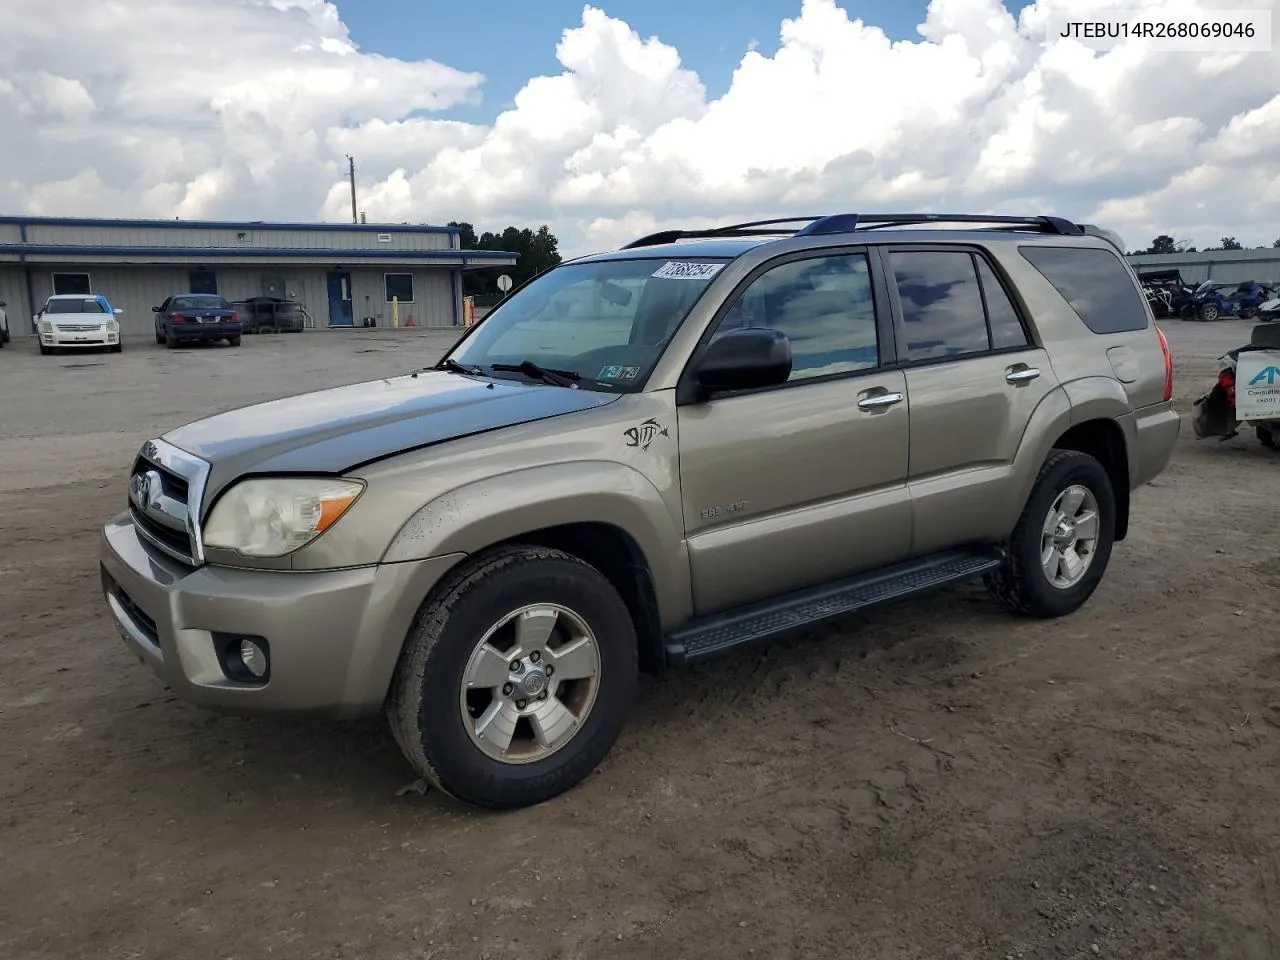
pixel 273 517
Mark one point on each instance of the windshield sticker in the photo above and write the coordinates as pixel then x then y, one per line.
pixel 684 270
pixel 618 373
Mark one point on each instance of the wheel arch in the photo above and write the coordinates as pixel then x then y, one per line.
pixel 1091 416
pixel 606 514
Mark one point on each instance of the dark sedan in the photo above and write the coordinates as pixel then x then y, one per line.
pixel 191 317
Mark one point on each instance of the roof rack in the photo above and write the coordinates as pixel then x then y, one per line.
pixel 850 222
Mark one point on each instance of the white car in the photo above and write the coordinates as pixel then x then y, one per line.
pixel 76 320
pixel 1270 310
pixel 4 325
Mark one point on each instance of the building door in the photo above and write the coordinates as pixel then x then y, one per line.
pixel 203 281
pixel 340 312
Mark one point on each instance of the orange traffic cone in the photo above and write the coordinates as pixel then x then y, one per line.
pixel 410 321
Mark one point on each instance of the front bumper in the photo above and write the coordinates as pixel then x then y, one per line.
pixel 334 637
pixel 205 331
pixel 79 338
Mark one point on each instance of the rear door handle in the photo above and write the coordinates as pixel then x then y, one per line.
pixel 879 400
pixel 1021 374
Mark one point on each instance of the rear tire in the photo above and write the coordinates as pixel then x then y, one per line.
pixel 485 611
pixel 234 341
pixel 159 336
pixel 1038 542
pixel 1266 437
pixel 170 340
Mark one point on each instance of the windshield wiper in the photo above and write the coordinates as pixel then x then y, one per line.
pixel 455 367
pixel 561 378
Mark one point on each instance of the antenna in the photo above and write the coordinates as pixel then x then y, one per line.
pixel 351 171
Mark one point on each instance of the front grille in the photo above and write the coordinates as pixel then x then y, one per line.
pixel 79 327
pixel 178 543
pixel 161 510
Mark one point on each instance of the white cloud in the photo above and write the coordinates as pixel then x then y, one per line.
pixel 252 116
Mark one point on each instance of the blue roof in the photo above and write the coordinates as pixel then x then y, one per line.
pixel 226 225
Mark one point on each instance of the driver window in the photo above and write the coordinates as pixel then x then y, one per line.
pixel 823 305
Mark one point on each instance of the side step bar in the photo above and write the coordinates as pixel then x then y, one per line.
pixel 710 636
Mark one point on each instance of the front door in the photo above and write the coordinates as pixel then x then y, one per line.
pixel 800 484
pixel 974 378
pixel 340 312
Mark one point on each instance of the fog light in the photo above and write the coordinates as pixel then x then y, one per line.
pixel 253 658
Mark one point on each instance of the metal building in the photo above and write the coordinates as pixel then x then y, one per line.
pixel 339 274
pixel 1225 266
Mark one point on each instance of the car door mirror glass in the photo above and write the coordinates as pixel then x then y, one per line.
pixel 746 359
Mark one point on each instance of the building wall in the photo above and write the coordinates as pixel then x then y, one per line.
pixel 1226 266
pixel 135 289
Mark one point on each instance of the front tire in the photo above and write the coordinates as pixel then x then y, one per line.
pixel 1060 548
pixel 1209 313
pixel 45 351
pixel 516 678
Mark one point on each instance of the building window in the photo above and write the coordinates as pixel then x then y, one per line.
pixel 398 286
pixel 202 281
pixel 71 283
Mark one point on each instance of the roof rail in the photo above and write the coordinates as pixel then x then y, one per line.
pixel 851 222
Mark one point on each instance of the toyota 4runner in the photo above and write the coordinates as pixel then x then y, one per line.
pixel 645 458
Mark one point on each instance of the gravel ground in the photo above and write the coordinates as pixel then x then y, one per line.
pixel 937 779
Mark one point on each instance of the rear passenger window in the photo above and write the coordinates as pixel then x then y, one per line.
pixel 1006 328
pixel 941 303
pixel 825 307
pixel 1095 283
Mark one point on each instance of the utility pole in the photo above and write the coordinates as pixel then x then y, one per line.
pixel 351 167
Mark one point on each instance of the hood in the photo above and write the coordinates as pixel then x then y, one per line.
pixel 332 431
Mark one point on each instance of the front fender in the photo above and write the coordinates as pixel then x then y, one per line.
pixel 470 518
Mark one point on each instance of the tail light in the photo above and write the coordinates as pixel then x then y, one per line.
pixel 1227 381
pixel 1168 366
pixel 177 319
pixel 235 317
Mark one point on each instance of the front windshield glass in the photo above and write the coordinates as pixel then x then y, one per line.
pixel 75 306
pixel 605 324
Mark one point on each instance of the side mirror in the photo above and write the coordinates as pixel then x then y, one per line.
pixel 155 309
pixel 745 360
pixel 117 311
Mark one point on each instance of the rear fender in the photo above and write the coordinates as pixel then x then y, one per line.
pixel 1073 403
pixel 471 518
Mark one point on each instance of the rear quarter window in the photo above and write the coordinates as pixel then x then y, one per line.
pixel 1095 283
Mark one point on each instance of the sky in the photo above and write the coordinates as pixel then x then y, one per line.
pixel 611 119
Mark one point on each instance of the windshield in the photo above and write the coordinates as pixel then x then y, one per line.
pixel 75 306
pixel 207 302
pixel 606 322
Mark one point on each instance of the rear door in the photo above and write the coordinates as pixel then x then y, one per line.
pixel 974 377
pixel 803 483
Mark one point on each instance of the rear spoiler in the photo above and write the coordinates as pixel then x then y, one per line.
pixel 1110 236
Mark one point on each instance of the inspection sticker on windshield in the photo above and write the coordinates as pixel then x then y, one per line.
pixel 684 270
pixel 619 373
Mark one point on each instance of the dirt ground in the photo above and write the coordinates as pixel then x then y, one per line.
pixel 934 780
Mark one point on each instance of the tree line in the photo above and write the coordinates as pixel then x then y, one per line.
pixel 538 250
pixel 1166 244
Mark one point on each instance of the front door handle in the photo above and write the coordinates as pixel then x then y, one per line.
pixel 877 401
pixel 1021 374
